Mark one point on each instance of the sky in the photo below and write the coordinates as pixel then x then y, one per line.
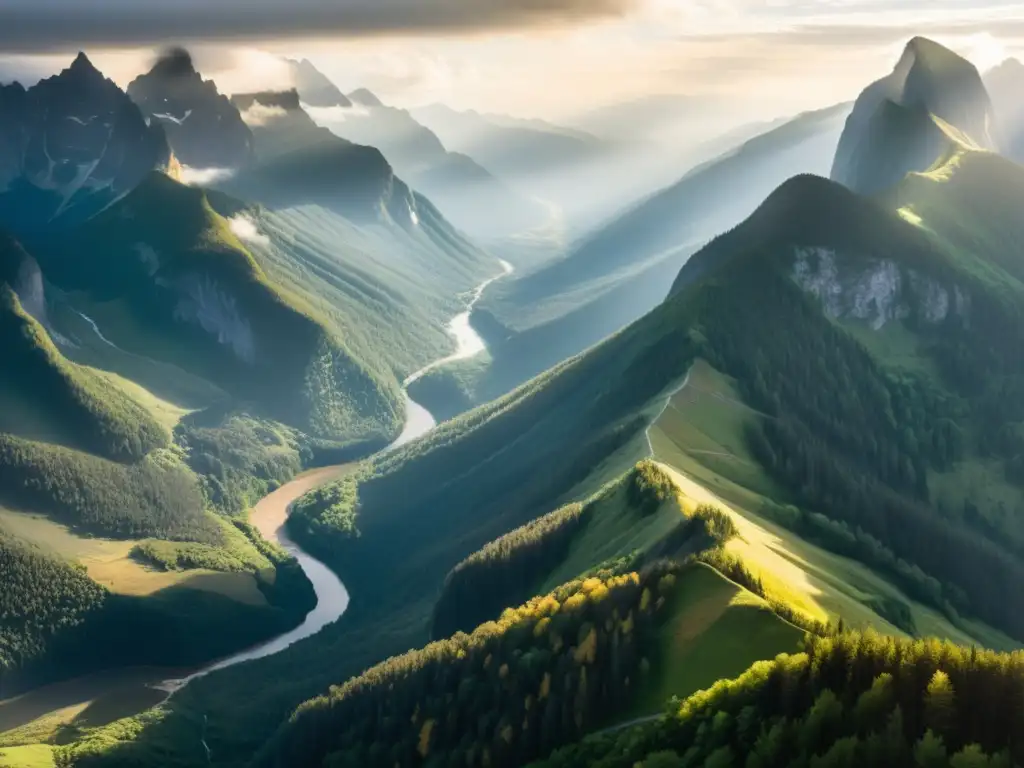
pixel 738 59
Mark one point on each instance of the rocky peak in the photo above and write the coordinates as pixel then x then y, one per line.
pixel 892 129
pixel 315 88
pixel 203 127
pixel 69 146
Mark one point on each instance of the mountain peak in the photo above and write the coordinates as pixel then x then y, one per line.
pixel 81 64
pixel 314 87
pixel 892 130
pixel 174 62
pixel 365 98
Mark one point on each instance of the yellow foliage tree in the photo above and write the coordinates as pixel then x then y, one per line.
pixel 626 626
pixel 545 687
pixel 586 652
pixel 425 733
pixel 645 599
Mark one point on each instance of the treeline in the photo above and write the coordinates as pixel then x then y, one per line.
pixel 327 515
pixel 848 701
pixel 838 537
pixel 540 676
pixel 649 487
pixel 506 571
pixel 239 458
pixel 512 568
pixel 847 438
pixel 57 623
pixel 157 497
pixel 48 397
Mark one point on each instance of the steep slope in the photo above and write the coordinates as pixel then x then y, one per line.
pixel 622 270
pixel 70 146
pixel 195 297
pixel 892 129
pixel 300 162
pixel 203 127
pixel 468 193
pixel 794 304
pixel 1004 84
pixel 316 88
pixel 45 396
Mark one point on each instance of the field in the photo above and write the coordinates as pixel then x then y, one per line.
pixel 53 713
pixel 108 562
pixel 700 440
pixel 36 756
pixel 716 629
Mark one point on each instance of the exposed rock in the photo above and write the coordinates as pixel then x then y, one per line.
pixel 875 291
pixel 70 146
pixel 892 130
pixel 203 127
pixel 203 302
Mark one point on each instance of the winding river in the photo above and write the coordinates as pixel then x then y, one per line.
pixel 271 513
pixel 130 690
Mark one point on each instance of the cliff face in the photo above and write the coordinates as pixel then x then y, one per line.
pixel 893 129
pixel 69 146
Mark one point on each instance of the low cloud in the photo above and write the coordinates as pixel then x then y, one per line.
pixel 203 177
pixel 245 229
pixel 260 114
pixel 39 25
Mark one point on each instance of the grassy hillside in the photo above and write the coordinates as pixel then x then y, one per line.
pixel 387 291
pixel 59 623
pixel 43 395
pixel 713 627
pixel 851 700
pixel 845 433
pixel 190 294
pixel 616 273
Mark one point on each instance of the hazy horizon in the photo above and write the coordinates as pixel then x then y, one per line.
pixel 739 60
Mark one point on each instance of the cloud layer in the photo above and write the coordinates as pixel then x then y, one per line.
pixel 38 25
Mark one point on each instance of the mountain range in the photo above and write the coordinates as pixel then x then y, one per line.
pixel 69 146
pixel 736 479
pixel 478 202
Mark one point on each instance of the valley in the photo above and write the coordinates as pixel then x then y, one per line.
pixel 341 431
pixel 40 714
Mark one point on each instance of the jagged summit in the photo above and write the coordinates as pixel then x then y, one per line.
pixel 82 64
pixel 71 144
pixel 174 62
pixel 892 130
pixel 203 127
pixel 315 88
